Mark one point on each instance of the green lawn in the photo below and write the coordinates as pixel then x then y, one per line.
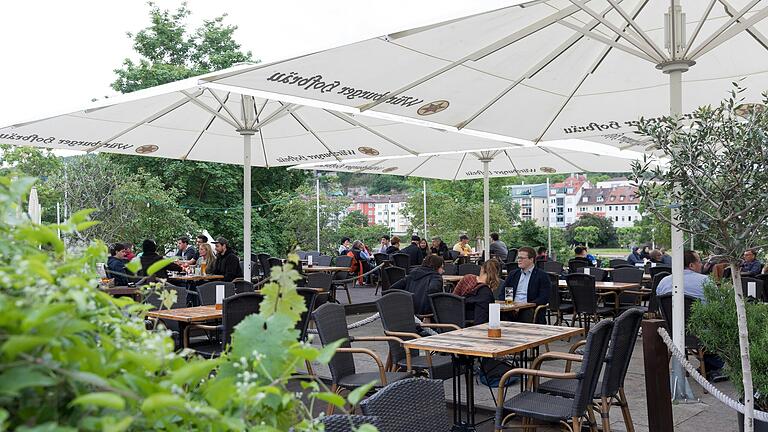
pixel 614 252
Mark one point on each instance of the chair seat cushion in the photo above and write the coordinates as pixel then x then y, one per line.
pixel 442 367
pixel 359 379
pixel 565 307
pixel 541 406
pixel 565 388
pixel 605 310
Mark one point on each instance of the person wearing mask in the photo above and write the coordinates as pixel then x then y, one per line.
pixel 186 253
pixel 634 257
pixel 693 285
pixel 541 254
pixel 394 247
pixel 424 247
pixel 750 266
pixel 344 246
pixel 422 281
pixel 227 263
pixel 383 244
pixel 116 264
pixel 439 247
pixel 150 256
pixel 415 257
pixel 527 284
pixel 498 248
pixel 478 291
pixel 462 246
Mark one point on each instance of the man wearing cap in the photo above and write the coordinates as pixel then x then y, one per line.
pixel 462 246
pixel 415 255
pixel 227 263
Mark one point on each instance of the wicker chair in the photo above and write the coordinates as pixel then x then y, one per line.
pixel 347 423
pixel 390 276
pixel 618 262
pixel 342 261
pixel 448 309
pixel 264 264
pixel 692 344
pixel 550 267
pixel 400 260
pixel 582 288
pixel 610 391
pixel 575 265
pixel 556 305
pixel 324 260
pixel 242 286
pixel 597 273
pixel 331 323
pixel 449 269
pixel 233 311
pixel 629 299
pixel 532 405
pixel 465 269
pixel 181 302
pixel 511 267
pixel 759 288
pixel 310 298
pixel 207 292
pixel 408 405
pixel 395 310
pixel 512 255
pixel 653 301
pixel 653 271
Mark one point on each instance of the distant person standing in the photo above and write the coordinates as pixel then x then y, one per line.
pixel 498 248
pixel 463 246
pixel 227 263
pixel 415 256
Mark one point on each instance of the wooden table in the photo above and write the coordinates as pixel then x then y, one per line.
pixel 451 278
pixel 123 291
pixel 607 286
pixel 466 344
pixel 195 278
pixel 514 307
pixel 646 276
pixel 319 268
pixel 188 315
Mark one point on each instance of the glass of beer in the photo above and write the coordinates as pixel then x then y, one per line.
pixel 509 295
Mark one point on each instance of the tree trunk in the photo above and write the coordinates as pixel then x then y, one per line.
pixel 746 368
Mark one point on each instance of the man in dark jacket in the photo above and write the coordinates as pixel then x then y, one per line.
pixel 529 284
pixel 150 256
pixel 415 255
pixel 423 281
pixel 227 263
pixel 116 264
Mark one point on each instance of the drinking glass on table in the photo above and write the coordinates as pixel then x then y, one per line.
pixel 509 295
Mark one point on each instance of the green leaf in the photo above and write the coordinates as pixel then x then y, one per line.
pixel 154 268
pixel 118 426
pixel 162 401
pixel 367 427
pixel 356 395
pixel 16 379
pixel 101 399
pixel 271 338
pixel 331 398
pixel 282 299
pixel 134 265
pixel 194 371
pixel 43 313
pixel 219 391
pixel 22 343
pixel 85 225
pixel 81 216
pixel 326 354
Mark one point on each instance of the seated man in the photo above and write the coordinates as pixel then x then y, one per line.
pixel 750 266
pixel 581 255
pixel 415 256
pixel 693 285
pixel 439 247
pixel 529 285
pixel 497 247
pixel 542 254
pixel 186 253
pixel 462 246
pixel 227 263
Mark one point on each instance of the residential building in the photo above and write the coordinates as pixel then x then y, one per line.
pixel 614 182
pixel 623 206
pixel 532 200
pixel 387 210
pixel 593 201
pixel 564 198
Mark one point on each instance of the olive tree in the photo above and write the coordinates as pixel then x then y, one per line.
pixel 715 177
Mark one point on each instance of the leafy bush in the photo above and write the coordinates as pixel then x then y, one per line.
pixel 74 358
pixel 714 322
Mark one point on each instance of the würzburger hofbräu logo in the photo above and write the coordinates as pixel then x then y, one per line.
pixel 433 107
pixel 148 148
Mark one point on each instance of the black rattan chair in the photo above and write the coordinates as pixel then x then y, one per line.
pixel 380 258
pixel 653 271
pixel 618 262
pixel 264 264
pixel 242 286
pixel 449 269
pixel 448 309
pixel 469 268
pixel 181 302
pixel 556 305
pixel 310 298
pixel 653 301
pixel 342 261
pixel 233 311
pixel 597 273
pixel 396 312
pixel 331 323
pixel 610 390
pixel 629 299
pixel 391 276
pixel 575 265
pixel 512 255
pixel 423 400
pixel 692 344
pixel 207 292
pixel 584 295
pixel 347 423
pixel 759 293
pixel 400 260
pixel 550 267
pixel 323 260
pixel 548 408
pixel 511 267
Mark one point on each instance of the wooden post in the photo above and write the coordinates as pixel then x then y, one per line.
pixel 657 391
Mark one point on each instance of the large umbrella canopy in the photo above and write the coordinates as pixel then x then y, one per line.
pixel 535 160
pixel 184 120
pixel 542 70
pixel 34 209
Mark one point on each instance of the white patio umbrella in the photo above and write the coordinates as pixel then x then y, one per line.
pixel 34 210
pixel 545 70
pixel 184 120
pixel 534 160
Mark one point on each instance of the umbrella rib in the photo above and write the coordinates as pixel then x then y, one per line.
pixel 759 37
pixel 544 62
pixel 730 33
pixel 232 122
pixel 696 31
pixel 460 164
pixel 632 23
pixel 501 43
pixel 349 119
pixel 278 113
pixel 555 154
pixel 419 166
pixel 511 162
pixel 146 120
pixel 222 104
pixel 607 41
pixel 723 28
pixel 200 135
pixel 261 134
pixel 314 134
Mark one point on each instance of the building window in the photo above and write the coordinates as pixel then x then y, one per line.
pixel 622 218
pixel 622 208
pixel 635 207
pixel 610 208
pixel 599 199
pixel 570 210
pixel 613 198
pixel 621 198
pixel 629 218
pixel 585 199
pixel 617 218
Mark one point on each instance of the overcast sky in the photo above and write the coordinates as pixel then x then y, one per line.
pixel 58 55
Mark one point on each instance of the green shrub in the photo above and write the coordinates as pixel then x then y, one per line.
pixel 74 358
pixel 714 322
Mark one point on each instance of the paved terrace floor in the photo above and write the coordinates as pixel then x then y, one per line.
pixel 707 415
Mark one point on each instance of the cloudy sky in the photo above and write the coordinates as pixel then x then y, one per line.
pixel 57 56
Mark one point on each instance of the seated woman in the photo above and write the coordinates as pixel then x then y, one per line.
pixel 424 247
pixel 423 281
pixel 394 246
pixel 478 291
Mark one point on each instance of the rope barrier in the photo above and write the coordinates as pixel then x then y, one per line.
pixel 354 325
pixel 733 404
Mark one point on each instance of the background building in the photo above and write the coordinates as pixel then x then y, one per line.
pixel 387 210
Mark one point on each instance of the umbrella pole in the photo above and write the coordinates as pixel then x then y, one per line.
pixel 486 211
pixel 549 226
pixel 247 134
pixel 317 208
pixel 424 193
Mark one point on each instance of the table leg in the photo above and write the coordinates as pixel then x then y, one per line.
pixel 460 424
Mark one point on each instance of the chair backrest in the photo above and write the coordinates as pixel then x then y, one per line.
pixel 207 292
pixel 274 262
pixel 582 288
pixel 454 254
pixel 759 293
pixel 511 267
pixel 400 260
pixel 320 280
pixel 323 260
pixel 310 296
pixel 242 286
pixel 627 274
pixel 408 405
pixel 554 293
pixel 653 301
pixel 623 339
pixel 380 258
pixel 598 273
pixel 394 275
pixel 396 312
pixel 181 297
pixel 665 305
pixel 594 356
pixel 331 323
pixel 653 271
pixel 575 265
pixel 264 263
pixel 347 423
pixel 469 268
pixel 343 261
pixel 512 255
pixel 235 309
pixel 618 262
pixel 450 269
pixel 550 266
pixel 448 309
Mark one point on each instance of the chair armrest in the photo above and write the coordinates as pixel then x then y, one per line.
pixel 534 373
pixel 554 355
pixel 382 375
pixel 575 346
pixel 536 311
pixel 401 334
pixel 637 293
pixel 385 339
pixel 437 325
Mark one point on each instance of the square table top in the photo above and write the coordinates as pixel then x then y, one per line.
pixel 189 315
pixel 514 307
pixel 607 286
pixel 474 341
